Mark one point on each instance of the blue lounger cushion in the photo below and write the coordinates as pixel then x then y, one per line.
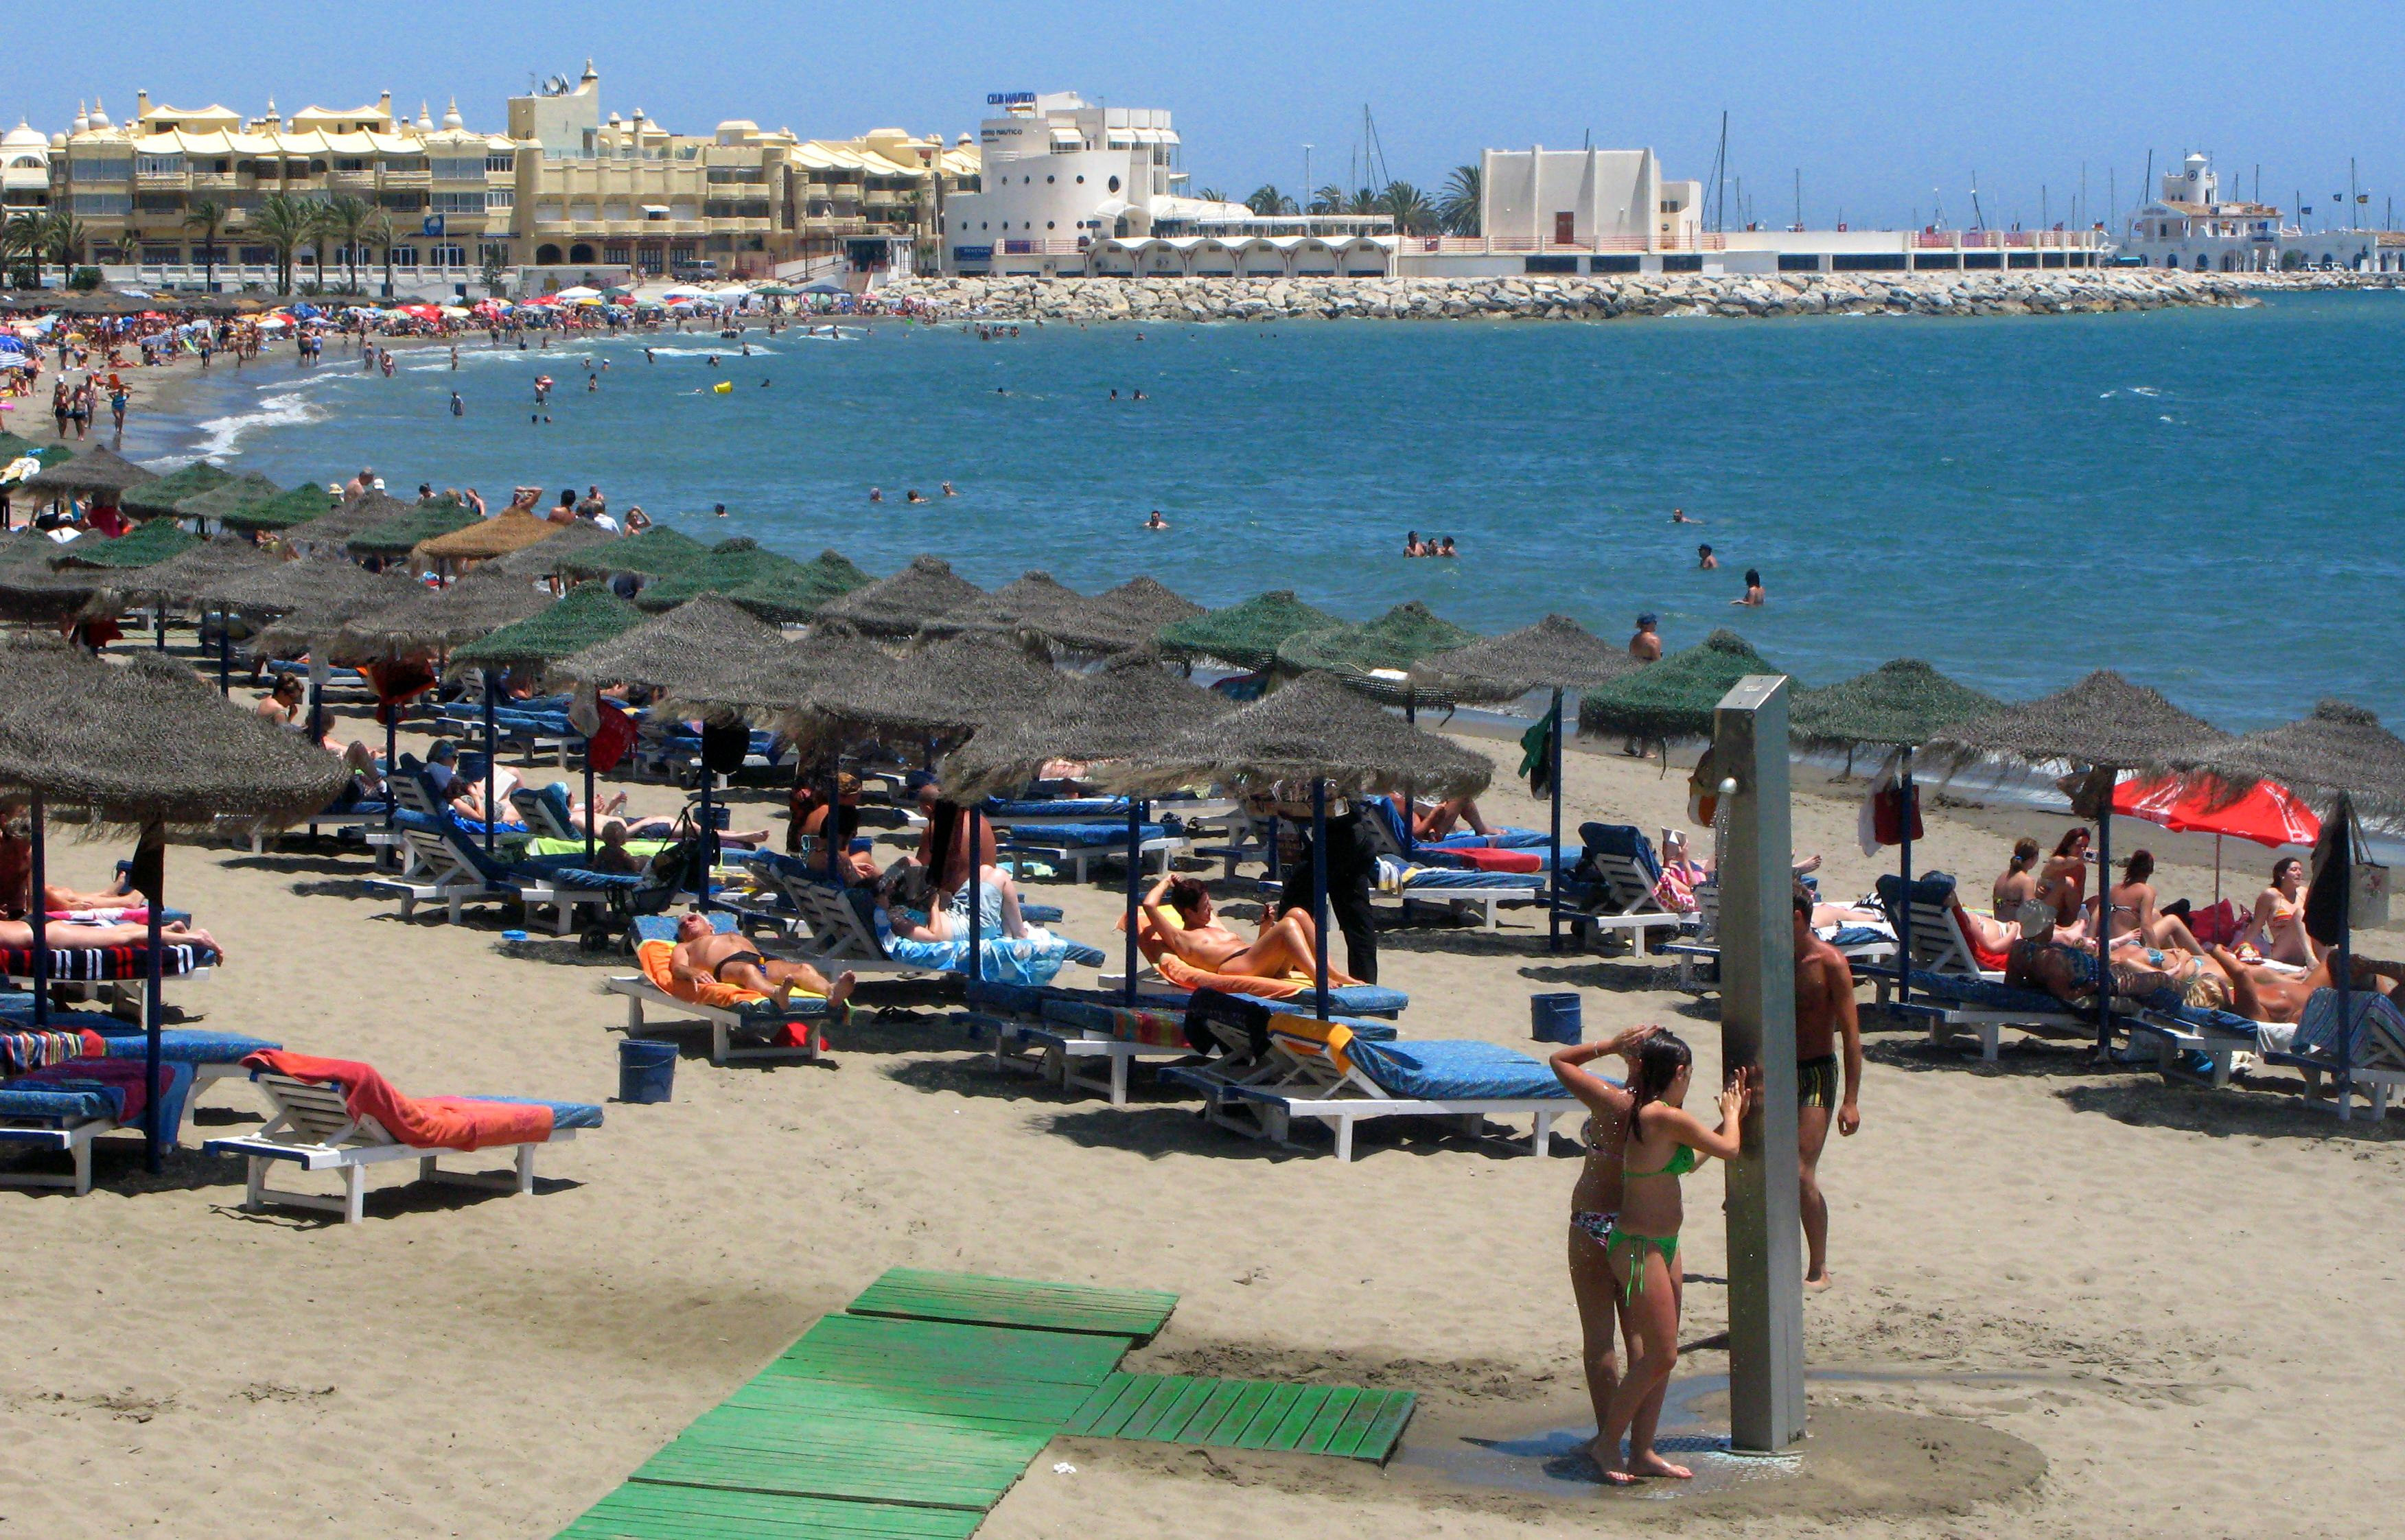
pixel 70 1102
pixel 1058 807
pixel 1461 879
pixel 1083 835
pixel 564 1115
pixel 1094 1016
pixel 16 1014
pixel 1982 994
pixel 184 1044
pixel 1352 1000
pixel 1464 1071
pixel 663 927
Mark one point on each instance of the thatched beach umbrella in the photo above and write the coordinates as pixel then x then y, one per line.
pixel 903 604
pixel 148 546
pixel 1313 731
pixel 2339 748
pixel 1557 654
pixel 397 536
pixel 1376 657
pixel 1901 704
pixel 727 565
pixel 2103 724
pixel 548 558
pixel 184 579
pixel 432 621
pixel 1033 601
pixel 1134 613
pixel 1245 635
pixel 944 689
pixel 146 743
pixel 587 616
pixel 157 499
pixel 330 535
pixel 34 591
pixel 228 497
pixel 513 530
pixel 656 552
pixel 1675 697
pixel 99 470
pixel 303 504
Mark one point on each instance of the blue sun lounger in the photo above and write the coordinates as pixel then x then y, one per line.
pixel 60 1112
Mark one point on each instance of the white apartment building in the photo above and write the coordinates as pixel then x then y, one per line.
pixel 1057 177
pixel 2188 224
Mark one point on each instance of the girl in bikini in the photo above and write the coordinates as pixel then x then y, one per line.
pixel 2278 910
pixel 1594 1204
pixel 2063 883
pixel 1664 1144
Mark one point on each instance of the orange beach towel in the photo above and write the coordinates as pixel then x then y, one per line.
pixel 426 1122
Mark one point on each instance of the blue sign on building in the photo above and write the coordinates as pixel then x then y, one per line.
pixel 432 226
pixel 973 254
pixel 1008 98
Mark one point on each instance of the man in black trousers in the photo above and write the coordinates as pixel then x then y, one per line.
pixel 1351 866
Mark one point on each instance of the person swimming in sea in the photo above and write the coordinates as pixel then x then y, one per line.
pixel 1155 522
pixel 914 495
pixel 948 490
pixel 1704 560
pixel 1751 598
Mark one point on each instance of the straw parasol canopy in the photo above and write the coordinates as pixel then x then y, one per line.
pixel 1245 635
pixel 314 599
pixel 34 591
pixel 30 545
pixel 397 536
pixel 785 599
pixel 1901 704
pixel 100 469
pixel 656 552
pixel 1034 601
pixel 2102 722
pixel 1312 729
pixel 727 565
pixel 2339 749
pixel 943 689
pixel 301 505
pixel 903 604
pixel 1376 657
pixel 198 569
pixel 157 499
pixel 1556 653
pixel 772 683
pixel 1146 604
pixel 331 536
pixel 547 558
pixel 147 546
pixel 588 616
pixel 1126 708
pixel 228 497
pixel 690 653
pixel 148 741
pixel 1673 698
pixel 513 530
pixel 434 620
pixel 835 567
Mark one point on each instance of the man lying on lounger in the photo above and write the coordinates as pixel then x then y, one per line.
pixel 2273 994
pixel 17 878
pixel 67 936
pixel 703 953
pixel 1286 944
pixel 2041 960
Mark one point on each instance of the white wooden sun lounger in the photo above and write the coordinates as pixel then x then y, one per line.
pixel 314 1128
pixel 724 1021
pixel 74 1138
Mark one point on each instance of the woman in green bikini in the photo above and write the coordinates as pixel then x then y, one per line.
pixel 1664 1144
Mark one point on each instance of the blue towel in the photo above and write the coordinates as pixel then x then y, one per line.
pixel 1082 835
pixel 1468 1070
pixel 186 1046
pixel 663 927
pixel 1858 936
pixel 564 1115
pixel 1434 877
pixel 1986 996
pixel 1058 807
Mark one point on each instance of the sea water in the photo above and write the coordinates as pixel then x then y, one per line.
pixel 2205 499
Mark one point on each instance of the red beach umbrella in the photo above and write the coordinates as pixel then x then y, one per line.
pixel 2268 814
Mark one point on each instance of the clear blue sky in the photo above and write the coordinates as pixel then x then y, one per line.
pixel 1875 104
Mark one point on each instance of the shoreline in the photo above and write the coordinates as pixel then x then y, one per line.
pixel 1572 298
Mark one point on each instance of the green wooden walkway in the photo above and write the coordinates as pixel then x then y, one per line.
pixel 909 1415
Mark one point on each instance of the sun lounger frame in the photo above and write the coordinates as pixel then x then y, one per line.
pixel 1168 847
pixel 323 1136
pixel 722 1020
pixel 74 1138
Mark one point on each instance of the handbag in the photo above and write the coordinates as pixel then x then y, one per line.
pixel 1888 814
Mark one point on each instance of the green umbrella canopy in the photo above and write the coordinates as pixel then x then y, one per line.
pixel 1903 703
pixel 901 604
pixel 14 448
pixel 726 567
pixel 1393 642
pixel 300 506
pixel 588 616
pixel 331 534
pixel 158 500
pixel 2102 722
pixel 228 497
pixel 148 741
pixel 1673 698
pixel 786 598
pixel 396 538
pixel 2339 749
pixel 99 469
pixel 1556 653
pixel 659 551
pixel 1312 729
pixel 147 546
pixel 1245 635
pixel 433 620
pixel 840 571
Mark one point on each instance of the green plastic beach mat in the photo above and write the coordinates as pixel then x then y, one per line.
pixel 1340 1420
pixel 1136 1313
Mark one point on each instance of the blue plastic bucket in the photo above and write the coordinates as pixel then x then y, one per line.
pixel 646 1069
pixel 1555 1018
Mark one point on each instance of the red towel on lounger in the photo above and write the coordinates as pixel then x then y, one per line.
pixel 1499 860
pixel 426 1122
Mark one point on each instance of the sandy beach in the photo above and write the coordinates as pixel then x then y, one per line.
pixel 2068 1303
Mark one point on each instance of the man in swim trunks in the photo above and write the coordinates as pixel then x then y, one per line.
pixel 704 954
pixel 1824 1014
pixel 1286 944
pixel 2271 994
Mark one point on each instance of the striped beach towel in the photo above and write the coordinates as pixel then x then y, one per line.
pixel 21 1053
pixel 106 964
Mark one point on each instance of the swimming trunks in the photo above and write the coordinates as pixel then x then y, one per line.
pixel 754 959
pixel 1816 1081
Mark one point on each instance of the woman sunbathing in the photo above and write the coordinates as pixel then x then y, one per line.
pixel 2271 994
pixel 1287 946
pixel 948 917
pixel 2018 885
pixel 2135 915
pixel 2278 926
pixel 1441 819
pixel 2064 881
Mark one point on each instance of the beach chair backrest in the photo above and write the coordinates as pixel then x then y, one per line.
pixel 1623 858
pixel 1385 828
pixel 1937 942
pixel 1314 1049
pixel 452 846
pixel 410 792
pixel 831 918
pixel 316 1110
pixel 1707 909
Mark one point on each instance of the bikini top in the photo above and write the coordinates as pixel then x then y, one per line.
pixel 1682 1161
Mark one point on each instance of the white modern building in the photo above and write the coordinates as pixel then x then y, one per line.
pixel 1056 177
pixel 2189 225
pixel 25 171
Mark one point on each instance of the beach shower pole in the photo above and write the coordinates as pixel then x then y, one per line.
pixel 703 832
pixel 225 654
pixel 152 1156
pixel 1765 1264
pixel 1554 905
pixel 1135 880
pixel 1904 869
pixel 1319 889
pixel 489 744
pixel 2343 1074
pixel 392 767
pixel 37 913
pixel 2105 917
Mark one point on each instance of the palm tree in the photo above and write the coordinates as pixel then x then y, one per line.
pixel 67 238
pixel 208 216
pixel 1327 200
pixel 1408 208
pixel 381 233
pixel 1212 195
pixel 26 236
pixel 344 218
pixel 285 223
pixel 1269 203
pixel 1459 209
